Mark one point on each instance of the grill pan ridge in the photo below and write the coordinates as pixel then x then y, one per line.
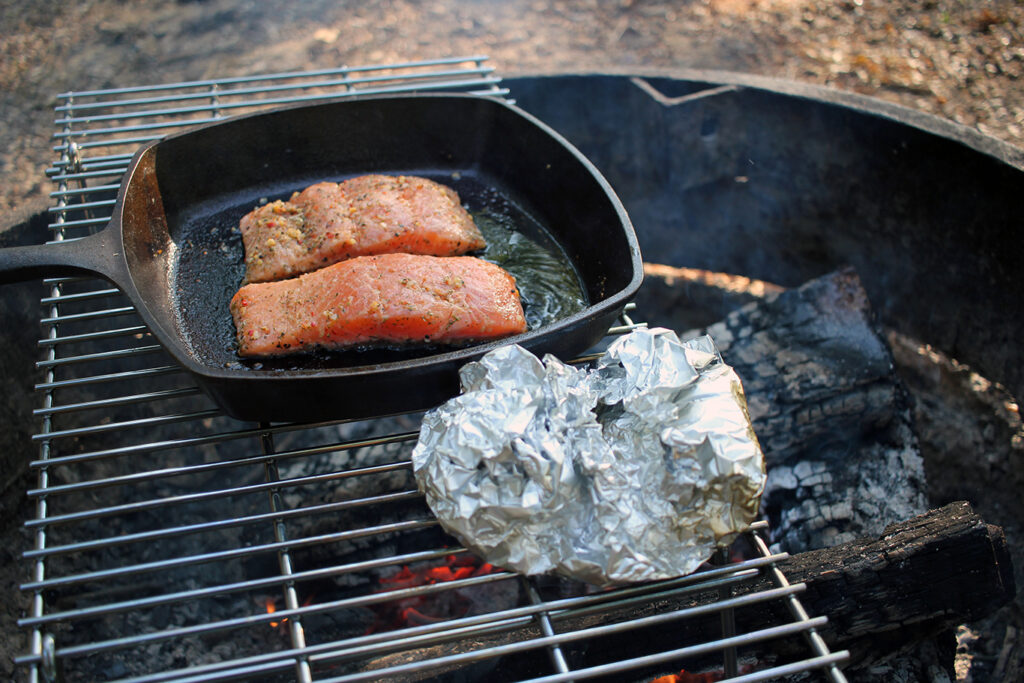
pixel 164 527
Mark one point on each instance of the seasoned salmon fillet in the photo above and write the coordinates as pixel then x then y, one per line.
pixel 373 214
pixel 378 300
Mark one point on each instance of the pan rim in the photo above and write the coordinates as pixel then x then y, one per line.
pixel 615 300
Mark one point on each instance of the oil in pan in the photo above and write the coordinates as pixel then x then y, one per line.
pixel 549 286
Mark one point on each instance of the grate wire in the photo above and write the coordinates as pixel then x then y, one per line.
pixel 149 502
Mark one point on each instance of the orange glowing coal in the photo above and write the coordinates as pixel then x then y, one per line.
pixel 271 608
pixel 420 610
pixel 455 567
pixel 271 605
pixel 685 676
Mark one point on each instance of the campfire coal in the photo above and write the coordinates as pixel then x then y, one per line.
pixel 422 609
pixel 174 542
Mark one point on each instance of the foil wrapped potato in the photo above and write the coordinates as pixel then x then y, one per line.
pixel 634 470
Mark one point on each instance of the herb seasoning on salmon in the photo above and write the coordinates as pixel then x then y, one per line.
pixel 391 299
pixel 367 215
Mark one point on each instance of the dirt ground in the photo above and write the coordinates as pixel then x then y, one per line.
pixel 961 60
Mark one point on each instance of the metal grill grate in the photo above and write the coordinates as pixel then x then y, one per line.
pixel 173 543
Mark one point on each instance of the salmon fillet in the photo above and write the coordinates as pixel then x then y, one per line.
pixel 378 300
pixel 372 214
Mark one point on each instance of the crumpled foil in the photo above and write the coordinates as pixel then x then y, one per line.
pixel 637 469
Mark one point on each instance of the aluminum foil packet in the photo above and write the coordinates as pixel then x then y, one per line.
pixel 633 470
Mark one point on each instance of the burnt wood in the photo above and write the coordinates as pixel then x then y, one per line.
pixel 887 595
pixel 918 579
pixel 829 410
pixel 881 595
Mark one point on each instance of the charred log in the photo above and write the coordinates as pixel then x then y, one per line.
pixel 888 594
pixel 968 429
pixel 917 579
pixel 882 596
pixel 829 410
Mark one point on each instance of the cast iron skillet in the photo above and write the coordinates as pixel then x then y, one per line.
pixel 171 245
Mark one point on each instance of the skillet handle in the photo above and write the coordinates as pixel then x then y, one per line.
pixel 91 255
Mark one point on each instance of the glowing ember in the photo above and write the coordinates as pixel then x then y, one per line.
pixel 271 605
pixel 420 610
pixel 685 676
pixel 271 608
